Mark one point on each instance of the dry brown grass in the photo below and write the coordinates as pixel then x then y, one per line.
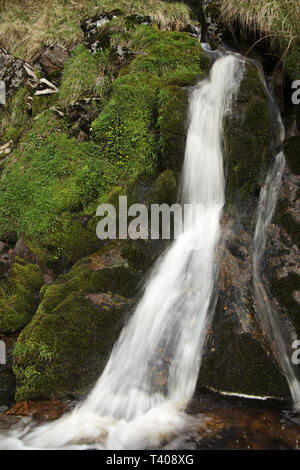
pixel 27 25
pixel 274 18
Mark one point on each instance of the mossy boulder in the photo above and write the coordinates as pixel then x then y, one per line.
pixel 247 136
pixel 173 126
pixel 19 296
pixel 164 190
pixel 65 347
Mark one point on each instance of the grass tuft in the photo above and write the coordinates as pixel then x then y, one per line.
pixel 276 18
pixel 27 25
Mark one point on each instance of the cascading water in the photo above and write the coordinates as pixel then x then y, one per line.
pixel 152 371
pixel 273 326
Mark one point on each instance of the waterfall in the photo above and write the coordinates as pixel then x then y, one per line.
pixel 276 331
pixel 152 372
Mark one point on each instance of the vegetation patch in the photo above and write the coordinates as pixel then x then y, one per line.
pixel 19 296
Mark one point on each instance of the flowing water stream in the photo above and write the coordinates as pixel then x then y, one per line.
pixel 151 375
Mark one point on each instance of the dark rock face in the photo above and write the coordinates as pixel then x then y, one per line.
pixel 238 358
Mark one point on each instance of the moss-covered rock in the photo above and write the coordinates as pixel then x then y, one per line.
pixel 7 379
pixel 247 135
pixel 237 363
pixel 172 125
pixel 164 190
pixel 19 296
pixel 66 345
pixel 14 117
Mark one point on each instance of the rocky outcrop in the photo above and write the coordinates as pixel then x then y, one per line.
pixel 238 359
pixel 247 136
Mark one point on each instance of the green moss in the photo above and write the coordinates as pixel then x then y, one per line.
pixel 66 345
pixel 52 179
pixel 247 137
pixel 172 124
pixel 19 296
pixel 237 363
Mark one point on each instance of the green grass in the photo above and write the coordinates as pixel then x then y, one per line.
pixel 275 21
pixel 51 181
pixel 19 296
pixel 279 18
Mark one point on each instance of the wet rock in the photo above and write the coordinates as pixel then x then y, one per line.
pixel 192 29
pixel 227 422
pixel 38 410
pixel 75 327
pixel 140 19
pixel 7 379
pixel 237 357
pixel 213 29
pixel 283 251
